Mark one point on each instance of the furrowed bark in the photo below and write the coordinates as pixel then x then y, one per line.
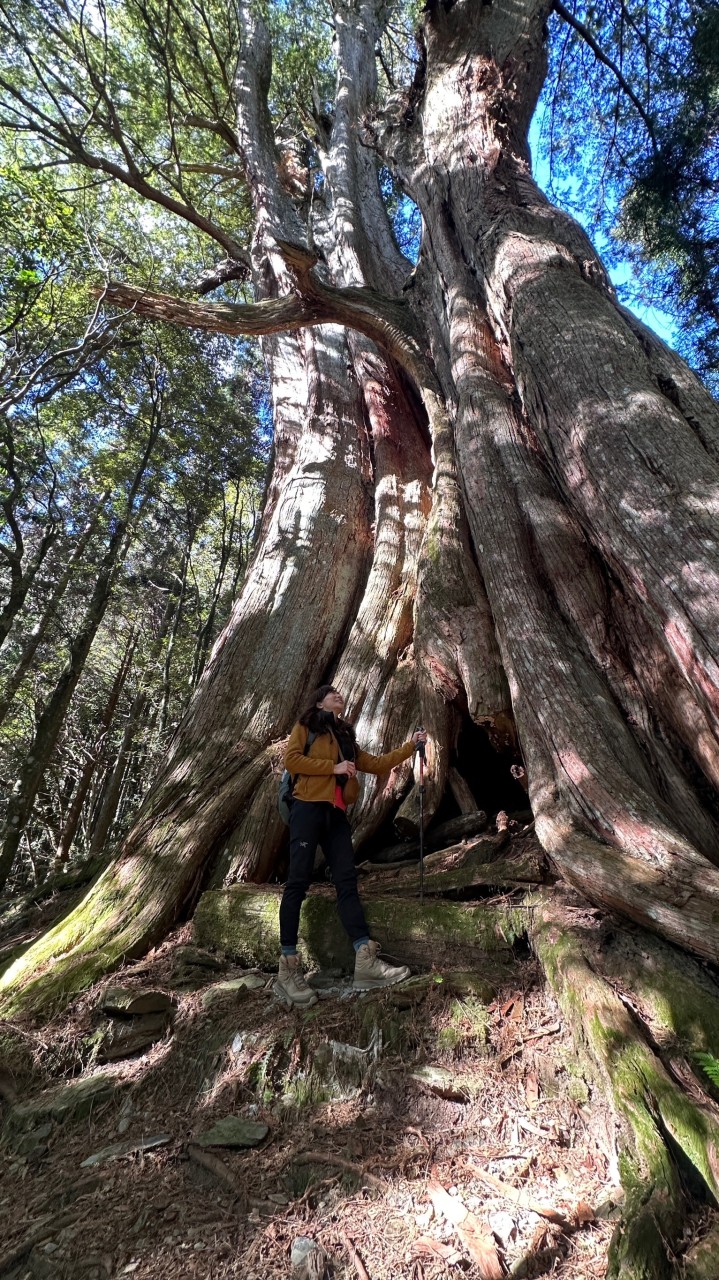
pixel 298 598
pixel 595 782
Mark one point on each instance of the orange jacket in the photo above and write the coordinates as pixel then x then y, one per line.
pixel 316 780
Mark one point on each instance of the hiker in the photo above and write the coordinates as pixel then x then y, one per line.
pixel 325 785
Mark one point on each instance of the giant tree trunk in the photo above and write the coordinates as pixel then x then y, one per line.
pixel 572 459
pixel 532 554
pixel 539 471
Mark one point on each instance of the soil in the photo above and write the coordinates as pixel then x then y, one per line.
pixel 355 1139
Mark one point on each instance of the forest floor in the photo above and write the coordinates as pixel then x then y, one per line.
pixel 439 1128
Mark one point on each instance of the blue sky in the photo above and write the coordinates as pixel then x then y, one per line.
pixel 661 322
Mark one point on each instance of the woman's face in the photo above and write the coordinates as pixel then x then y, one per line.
pixel 332 701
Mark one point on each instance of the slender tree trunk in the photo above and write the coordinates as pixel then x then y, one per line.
pixel 95 754
pixel 112 791
pixel 39 631
pixel 206 629
pixel 177 618
pixel 22 577
pixel 50 723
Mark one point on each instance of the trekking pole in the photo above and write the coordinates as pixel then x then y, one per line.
pixel 420 750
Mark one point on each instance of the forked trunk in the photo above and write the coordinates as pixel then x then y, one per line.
pixel 572 458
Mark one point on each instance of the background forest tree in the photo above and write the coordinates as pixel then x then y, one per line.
pixel 492 496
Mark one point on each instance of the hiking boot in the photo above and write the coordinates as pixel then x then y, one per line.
pixel 371 972
pixel 292 984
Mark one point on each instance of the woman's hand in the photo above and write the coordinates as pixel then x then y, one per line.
pixel 420 735
pixel 345 769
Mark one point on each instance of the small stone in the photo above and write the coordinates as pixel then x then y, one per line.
pixel 194 957
pixel 231 1131
pixel 440 1082
pixel 51 1247
pixel 122 1039
pixel 503 1226
pixel 119 1149
pixel 34 1142
pixel 76 1099
pixel 233 987
pixel 465 983
pixel 123 1003
pixel 301 1246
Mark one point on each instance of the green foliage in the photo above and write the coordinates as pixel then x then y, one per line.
pixel 710 1066
pixel 633 151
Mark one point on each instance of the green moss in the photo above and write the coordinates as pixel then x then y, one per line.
pixel 466 1026
pixel 244 923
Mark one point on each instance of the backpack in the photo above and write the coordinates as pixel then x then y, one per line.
pixel 287 785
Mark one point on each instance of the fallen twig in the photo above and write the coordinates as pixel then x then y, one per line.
pixel 217 1166
pixel 359 1265
pixel 325 1157
pixel 518 1196
pixel 535 1035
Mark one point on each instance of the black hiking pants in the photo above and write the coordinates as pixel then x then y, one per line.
pixel 314 822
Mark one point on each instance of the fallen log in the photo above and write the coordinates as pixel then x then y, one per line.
pixel 463 867
pixel 439 837
pixel 461 791
pixel 243 922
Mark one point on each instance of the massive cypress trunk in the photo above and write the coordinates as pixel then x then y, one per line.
pixel 517 434
pixel 587 489
pixel 491 497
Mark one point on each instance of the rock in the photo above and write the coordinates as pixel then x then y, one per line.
pixel 123 1003
pixel 121 1039
pixel 405 995
pixel 339 1069
pixel 326 980
pixel 195 958
pixel 301 1246
pixel 232 1131
pixel 128 1148
pixel 463 982
pixel 441 1082
pixel 233 987
pixel 700 1262
pixel 503 1226
pixel 33 1142
pixel 74 1100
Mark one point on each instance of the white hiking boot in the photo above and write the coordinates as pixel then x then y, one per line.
pixel 292 984
pixel 371 972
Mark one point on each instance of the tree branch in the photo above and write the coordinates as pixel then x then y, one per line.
pixel 599 53
pixel 386 321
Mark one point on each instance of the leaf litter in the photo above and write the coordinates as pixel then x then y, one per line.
pixel 412 1134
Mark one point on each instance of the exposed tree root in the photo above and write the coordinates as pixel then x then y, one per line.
pixel 665 1129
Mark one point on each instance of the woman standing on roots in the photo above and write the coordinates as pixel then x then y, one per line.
pixel 325 784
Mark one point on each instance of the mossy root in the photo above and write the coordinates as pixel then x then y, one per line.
pixel 662 1125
